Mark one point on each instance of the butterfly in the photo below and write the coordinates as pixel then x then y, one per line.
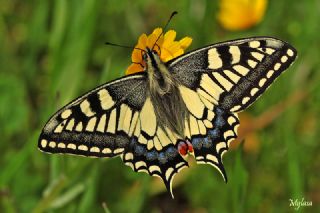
pixel 188 105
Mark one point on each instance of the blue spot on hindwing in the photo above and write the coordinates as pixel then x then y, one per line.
pixel 139 150
pixel 197 143
pixel 214 133
pixel 171 152
pixel 219 111
pixel 162 158
pixel 207 143
pixel 153 155
pixel 220 121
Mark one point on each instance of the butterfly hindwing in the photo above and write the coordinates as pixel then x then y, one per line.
pixel 232 75
pixel 152 148
pixel 209 148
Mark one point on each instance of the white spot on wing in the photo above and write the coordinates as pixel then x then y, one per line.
pixel 206 96
pixel 79 127
pixel 70 125
pixel 118 151
pixel 241 69
pixel 72 146
pixel 223 81
pixel 112 122
pixel 83 148
pixel 108 151
pixel 254 44
pixel 154 168
pixel 44 143
pixel 245 100
pixel 235 108
pixel 168 173
pixel 211 87
pixel 252 63
pixel 202 127
pixel 270 73
pixel 274 43
pixel 290 52
pixel 192 101
pixel 102 123
pixel 235 52
pixel 254 91
pixel 257 55
pixel 91 124
pixel 284 59
pixel 94 149
pixel 277 66
pixel 105 99
pixel 65 114
pixel 262 82
pixel 163 138
pixel 61 145
pixel 233 77
pixel 59 128
pixel 52 144
pixel 85 108
pixel 220 146
pixel 212 158
pixel 214 59
pixel 194 126
pixel 148 118
pixel 133 123
pixel 157 143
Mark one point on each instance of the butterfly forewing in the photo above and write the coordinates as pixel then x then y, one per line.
pixel 98 123
pixel 234 74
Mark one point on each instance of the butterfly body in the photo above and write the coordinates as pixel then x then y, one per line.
pixel 189 104
pixel 170 110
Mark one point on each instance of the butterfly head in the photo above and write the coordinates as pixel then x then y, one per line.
pixel 160 79
pixel 150 57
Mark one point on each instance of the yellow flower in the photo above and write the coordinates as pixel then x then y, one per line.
pixel 166 47
pixel 241 14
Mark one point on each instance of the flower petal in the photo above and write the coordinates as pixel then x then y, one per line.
pixel 241 14
pixel 166 47
pixel 136 55
pixel 170 36
pixel 185 42
pixel 134 68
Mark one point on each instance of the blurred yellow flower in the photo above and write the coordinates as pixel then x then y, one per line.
pixel 241 14
pixel 166 47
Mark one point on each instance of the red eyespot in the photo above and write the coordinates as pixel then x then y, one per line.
pixel 190 147
pixel 184 147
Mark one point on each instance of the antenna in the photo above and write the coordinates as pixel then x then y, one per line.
pixel 155 44
pixel 165 26
pixel 123 46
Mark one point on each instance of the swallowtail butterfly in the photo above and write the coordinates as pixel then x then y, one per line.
pixel 152 119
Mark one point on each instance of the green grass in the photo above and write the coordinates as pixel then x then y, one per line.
pixel 53 51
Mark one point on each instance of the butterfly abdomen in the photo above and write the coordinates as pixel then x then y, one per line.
pixel 170 110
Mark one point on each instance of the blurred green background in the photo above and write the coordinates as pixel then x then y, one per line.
pixel 53 51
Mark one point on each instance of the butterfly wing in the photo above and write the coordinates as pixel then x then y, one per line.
pixel 117 118
pixel 98 123
pixel 226 78
pixel 234 73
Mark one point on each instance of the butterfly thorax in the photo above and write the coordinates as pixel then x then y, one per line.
pixel 169 107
